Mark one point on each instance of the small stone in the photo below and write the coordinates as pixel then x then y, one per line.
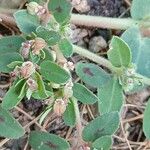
pixel 97 44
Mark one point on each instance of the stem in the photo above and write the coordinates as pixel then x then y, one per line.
pixel 95 58
pixel 105 63
pixel 106 22
pixel 78 120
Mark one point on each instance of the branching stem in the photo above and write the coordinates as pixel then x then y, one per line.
pixel 105 63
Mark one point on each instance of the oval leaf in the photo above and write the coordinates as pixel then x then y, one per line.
pixel 14 95
pixel 143 6
pixel 146 122
pixel 50 36
pixel 102 143
pixel 10 44
pixel 119 53
pixel 140 48
pixel 81 93
pixel 54 73
pixel 26 22
pixel 6 59
pixel 103 125
pixel 61 10
pixel 111 97
pixel 66 47
pixel 9 127
pixel 46 141
pixel 92 74
pixel 69 116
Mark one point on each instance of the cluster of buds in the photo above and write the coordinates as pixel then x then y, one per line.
pixel 69 66
pixel 59 107
pixel 68 92
pixel 36 45
pixel 34 8
pixel 32 84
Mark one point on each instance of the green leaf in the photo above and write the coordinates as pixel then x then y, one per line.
pixel 10 44
pixel 140 9
pixel 54 73
pixel 26 22
pixel 41 91
pixel 66 47
pixel 140 48
pixel 50 36
pixel 81 93
pixel 146 122
pixel 92 74
pixel 61 10
pixel 6 59
pixel 14 64
pixel 111 97
pixel 9 127
pixel 103 143
pixel 14 95
pixel 119 53
pixel 103 125
pixel 69 116
pixel 45 141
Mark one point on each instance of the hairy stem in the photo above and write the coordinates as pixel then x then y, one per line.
pixel 105 63
pixel 106 22
pixel 78 120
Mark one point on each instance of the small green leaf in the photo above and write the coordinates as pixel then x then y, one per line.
pixel 61 10
pixel 41 91
pixel 50 36
pixel 140 9
pixel 103 125
pixel 66 47
pixel 69 116
pixel 146 122
pixel 111 97
pixel 45 141
pixel 54 73
pixel 92 74
pixel 10 44
pixel 119 53
pixel 81 93
pixel 26 22
pixel 14 95
pixel 6 59
pixel 102 143
pixel 9 127
pixel 140 48
pixel 14 64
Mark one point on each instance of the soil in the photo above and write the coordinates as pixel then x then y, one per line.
pixel 97 41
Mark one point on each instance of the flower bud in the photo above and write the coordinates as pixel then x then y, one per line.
pixel 41 11
pixel 68 92
pixel 27 69
pixel 55 85
pixel 32 8
pixel 39 44
pixel 25 49
pixel 69 66
pixel 59 107
pixel 32 84
pixel 130 72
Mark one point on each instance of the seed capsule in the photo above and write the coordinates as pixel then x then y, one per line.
pixel 39 44
pixel 59 107
pixel 27 69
